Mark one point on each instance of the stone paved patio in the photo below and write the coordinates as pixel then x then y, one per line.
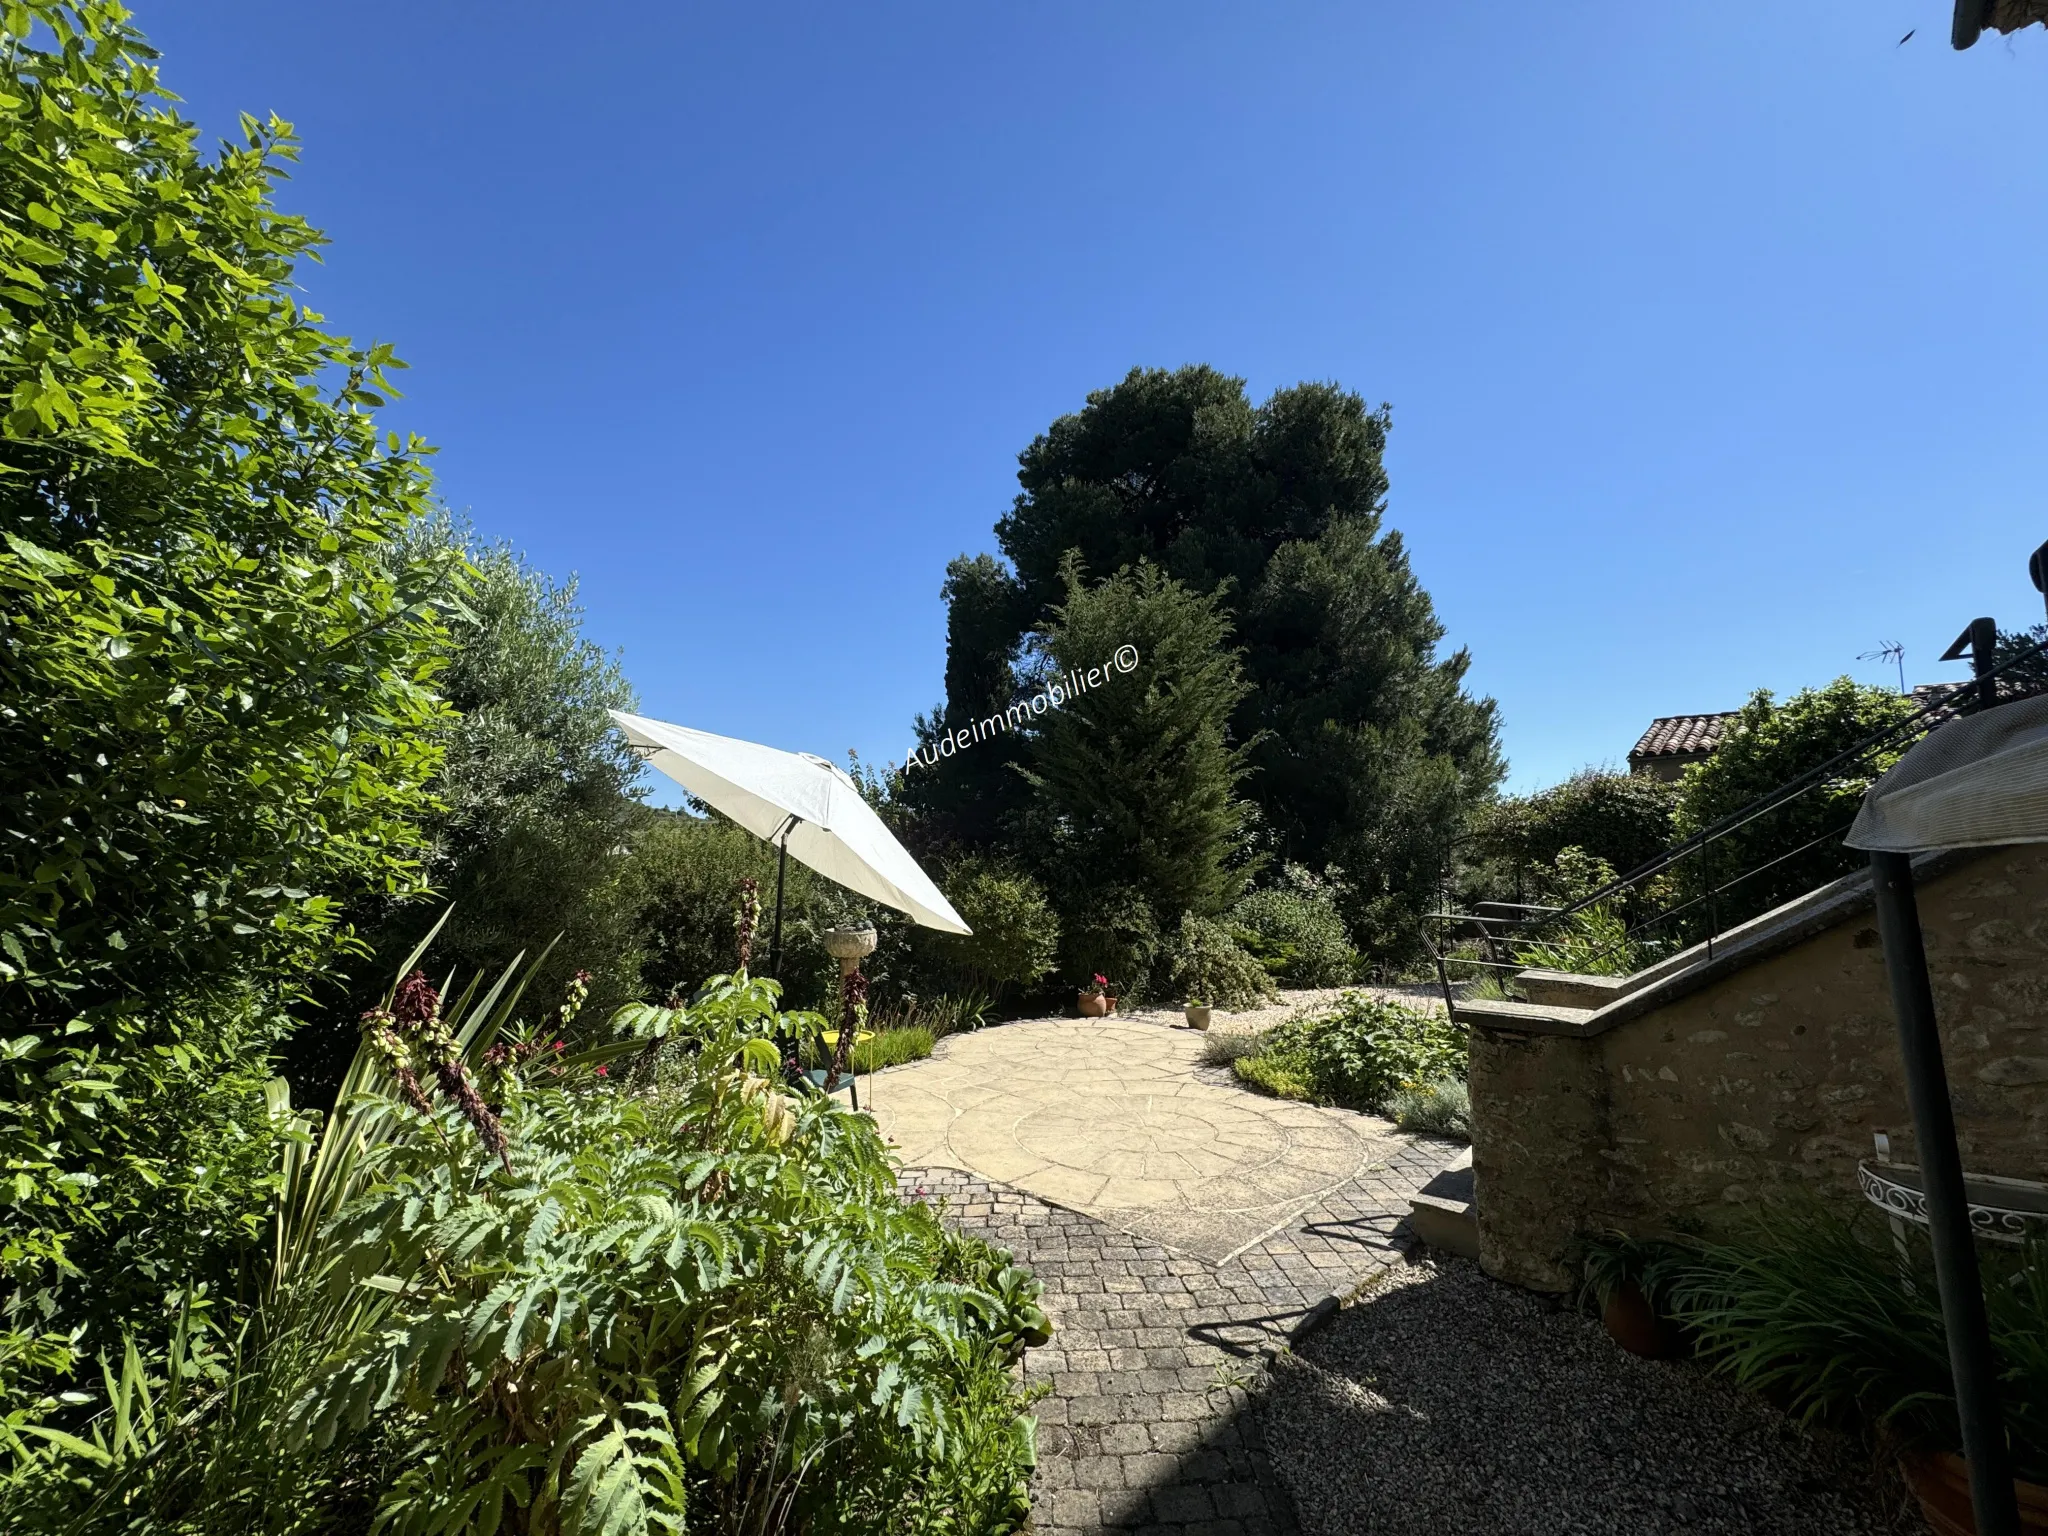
pixel 1157 1350
pixel 1113 1118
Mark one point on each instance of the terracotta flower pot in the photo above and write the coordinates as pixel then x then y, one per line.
pixel 1093 1005
pixel 1198 1015
pixel 1941 1482
pixel 1634 1324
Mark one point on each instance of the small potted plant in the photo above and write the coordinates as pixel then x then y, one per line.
pixel 1094 1000
pixel 1198 1013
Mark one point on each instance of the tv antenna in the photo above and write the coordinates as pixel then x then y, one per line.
pixel 1892 651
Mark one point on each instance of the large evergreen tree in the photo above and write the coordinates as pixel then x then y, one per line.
pixel 1133 778
pixel 1366 750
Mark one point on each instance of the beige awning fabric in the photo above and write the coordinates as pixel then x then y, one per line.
pixel 1972 783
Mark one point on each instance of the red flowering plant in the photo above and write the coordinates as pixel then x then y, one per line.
pixel 1098 986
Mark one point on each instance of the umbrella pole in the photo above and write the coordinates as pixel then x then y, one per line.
pixel 781 865
pixel 1971 1361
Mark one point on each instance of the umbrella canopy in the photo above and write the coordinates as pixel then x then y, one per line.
pixel 1973 783
pixel 799 801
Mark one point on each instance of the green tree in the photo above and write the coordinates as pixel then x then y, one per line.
pixel 1138 774
pixel 1789 851
pixel 1621 818
pixel 537 801
pixel 1369 752
pixel 216 706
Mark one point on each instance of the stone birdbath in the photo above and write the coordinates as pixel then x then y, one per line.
pixel 849 946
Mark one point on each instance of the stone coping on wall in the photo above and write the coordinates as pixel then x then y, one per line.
pixel 1691 969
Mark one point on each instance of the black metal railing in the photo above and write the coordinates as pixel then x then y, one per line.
pixel 1780 845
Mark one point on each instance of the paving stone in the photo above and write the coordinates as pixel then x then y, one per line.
pixel 1157 1357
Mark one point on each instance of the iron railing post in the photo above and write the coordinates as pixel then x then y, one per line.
pixel 1971 1361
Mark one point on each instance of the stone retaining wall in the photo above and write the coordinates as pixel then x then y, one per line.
pixel 1769 1079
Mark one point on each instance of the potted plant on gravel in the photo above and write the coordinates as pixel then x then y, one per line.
pixel 1197 1011
pixel 1814 1309
pixel 1094 999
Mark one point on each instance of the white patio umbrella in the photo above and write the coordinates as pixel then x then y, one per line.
pixel 805 806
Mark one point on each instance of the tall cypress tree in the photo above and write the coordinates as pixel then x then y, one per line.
pixel 1368 749
pixel 1134 812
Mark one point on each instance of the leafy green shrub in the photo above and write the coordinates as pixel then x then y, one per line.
pixel 1442 1105
pixel 537 797
pixel 705 1297
pixel 1593 941
pixel 1765 746
pixel 1357 1054
pixel 1624 819
pixel 1016 937
pixel 1301 940
pixel 1209 966
pixel 682 882
pixel 679 1287
pixel 1113 934
pixel 1225 1047
pixel 217 716
pixel 1282 1077
pixel 1807 1307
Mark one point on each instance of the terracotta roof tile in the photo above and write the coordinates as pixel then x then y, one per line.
pixel 1680 735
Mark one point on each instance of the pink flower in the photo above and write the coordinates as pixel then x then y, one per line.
pixel 602 1071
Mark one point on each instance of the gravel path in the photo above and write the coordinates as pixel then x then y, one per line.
pixel 1445 1402
pixel 1306 1000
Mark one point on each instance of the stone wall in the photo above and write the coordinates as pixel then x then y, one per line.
pixel 1710 1093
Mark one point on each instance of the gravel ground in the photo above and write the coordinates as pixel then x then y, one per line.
pixel 1444 1401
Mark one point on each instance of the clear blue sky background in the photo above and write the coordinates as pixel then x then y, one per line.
pixel 1714 333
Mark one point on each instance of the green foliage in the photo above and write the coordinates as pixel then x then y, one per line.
pixel 1284 1077
pixel 1594 940
pixel 1357 1054
pixel 1366 747
pixel 1441 1106
pixel 1768 745
pixel 1111 931
pixel 1807 1308
pixel 537 790
pixel 1297 932
pixel 1208 966
pixel 1622 819
pixel 217 721
pixel 706 1298
pixel 1226 1047
pixel 1136 777
pixel 888 1048
pixel 1015 943
pixel 683 1292
pixel 681 885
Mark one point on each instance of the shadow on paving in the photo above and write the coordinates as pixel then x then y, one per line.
pixel 1446 1401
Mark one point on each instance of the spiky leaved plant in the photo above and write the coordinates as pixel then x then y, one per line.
pixel 691 1298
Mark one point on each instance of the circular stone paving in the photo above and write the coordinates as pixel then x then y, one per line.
pixel 1108 1117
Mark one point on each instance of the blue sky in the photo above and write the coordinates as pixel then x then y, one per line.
pixel 1714 334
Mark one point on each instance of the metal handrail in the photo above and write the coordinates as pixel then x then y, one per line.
pixel 1991 686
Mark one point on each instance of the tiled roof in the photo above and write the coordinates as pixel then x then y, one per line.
pixel 1681 735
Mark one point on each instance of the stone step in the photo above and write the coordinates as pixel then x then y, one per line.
pixel 1536 1018
pixel 1549 989
pixel 1442 1214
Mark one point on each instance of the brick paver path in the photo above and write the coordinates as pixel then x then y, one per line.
pixel 1156 1353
